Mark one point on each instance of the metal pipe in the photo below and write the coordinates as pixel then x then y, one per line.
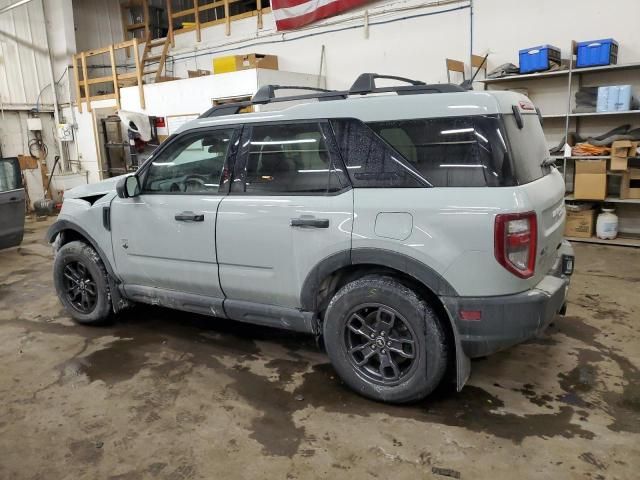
pixel 12 6
pixel 56 115
pixel 471 40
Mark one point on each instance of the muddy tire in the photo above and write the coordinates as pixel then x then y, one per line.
pixel 384 341
pixel 82 284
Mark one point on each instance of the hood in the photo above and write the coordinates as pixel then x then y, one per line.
pixel 91 189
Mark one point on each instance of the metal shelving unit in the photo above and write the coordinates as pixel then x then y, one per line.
pixel 571 74
pixel 607 200
pixel 559 73
pixel 620 241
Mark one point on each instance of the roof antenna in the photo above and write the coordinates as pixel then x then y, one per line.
pixel 468 84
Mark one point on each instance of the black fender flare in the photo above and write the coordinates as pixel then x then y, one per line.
pixel 419 271
pixel 422 273
pixel 61 225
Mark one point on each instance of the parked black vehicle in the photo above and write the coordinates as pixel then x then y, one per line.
pixel 12 206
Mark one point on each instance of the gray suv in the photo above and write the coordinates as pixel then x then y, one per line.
pixel 412 227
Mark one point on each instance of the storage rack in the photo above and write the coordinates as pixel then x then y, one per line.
pixel 571 73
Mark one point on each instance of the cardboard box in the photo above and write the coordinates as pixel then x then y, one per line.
pixel 233 63
pixel 198 73
pixel 630 185
pixel 591 180
pixel 27 162
pixel 620 152
pixel 580 224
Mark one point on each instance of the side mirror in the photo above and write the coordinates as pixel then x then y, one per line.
pixel 128 187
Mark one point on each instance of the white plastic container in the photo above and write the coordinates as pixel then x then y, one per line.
pixel 607 224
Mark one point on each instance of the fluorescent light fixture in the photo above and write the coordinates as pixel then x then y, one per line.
pixel 285 142
pixel 482 137
pixel 457 130
pixel 454 165
pixel 12 6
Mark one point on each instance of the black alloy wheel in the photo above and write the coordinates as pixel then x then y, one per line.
pixel 380 342
pixel 80 287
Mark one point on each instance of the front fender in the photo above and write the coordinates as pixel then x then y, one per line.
pixel 63 225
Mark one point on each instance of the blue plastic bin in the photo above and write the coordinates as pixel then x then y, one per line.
pixel 597 52
pixel 537 59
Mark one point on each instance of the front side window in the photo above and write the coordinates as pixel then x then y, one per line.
pixel 193 163
pixel 10 178
pixel 452 151
pixel 288 159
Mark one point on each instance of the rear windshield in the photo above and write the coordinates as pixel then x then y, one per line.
pixel 528 148
pixel 452 151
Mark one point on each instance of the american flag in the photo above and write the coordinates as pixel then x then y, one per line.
pixel 292 14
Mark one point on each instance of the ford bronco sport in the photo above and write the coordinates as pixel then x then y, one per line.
pixel 412 227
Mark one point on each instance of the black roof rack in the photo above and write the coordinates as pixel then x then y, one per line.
pixel 267 94
pixel 365 84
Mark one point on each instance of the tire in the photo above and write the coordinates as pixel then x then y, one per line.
pixel 82 284
pixel 402 326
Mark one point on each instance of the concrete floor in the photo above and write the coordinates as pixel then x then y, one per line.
pixel 168 395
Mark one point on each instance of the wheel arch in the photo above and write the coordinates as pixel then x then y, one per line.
pixel 335 271
pixel 71 231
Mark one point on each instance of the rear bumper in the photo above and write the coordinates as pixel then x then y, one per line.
pixel 510 319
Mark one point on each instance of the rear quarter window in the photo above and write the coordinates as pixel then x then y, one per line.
pixel 453 151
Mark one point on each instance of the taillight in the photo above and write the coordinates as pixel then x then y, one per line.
pixel 515 242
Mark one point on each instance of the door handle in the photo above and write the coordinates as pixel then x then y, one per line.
pixel 189 217
pixel 310 222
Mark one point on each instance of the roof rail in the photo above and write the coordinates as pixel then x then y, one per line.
pixel 364 84
pixel 267 93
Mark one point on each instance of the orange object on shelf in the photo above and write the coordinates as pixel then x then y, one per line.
pixel 586 149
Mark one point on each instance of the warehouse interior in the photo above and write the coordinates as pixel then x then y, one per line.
pixel 92 90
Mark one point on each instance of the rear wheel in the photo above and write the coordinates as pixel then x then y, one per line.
pixel 384 341
pixel 81 283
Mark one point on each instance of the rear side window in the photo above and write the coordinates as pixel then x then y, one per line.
pixel 10 178
pixel 528 147
pixel 289 159
pixel 452 151
pixel 370 162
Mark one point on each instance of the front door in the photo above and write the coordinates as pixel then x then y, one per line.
pixel 164 238
pixel 12 206
pixel 290 207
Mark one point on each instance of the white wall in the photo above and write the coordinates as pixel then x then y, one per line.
pixel 417 47
pixel 23 56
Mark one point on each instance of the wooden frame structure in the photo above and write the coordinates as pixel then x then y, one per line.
pixel 84 82
pixel 198 25
pixel 129 28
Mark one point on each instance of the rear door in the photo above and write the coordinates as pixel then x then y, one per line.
pixel 543 185
pixel 12 204
pixel 290 207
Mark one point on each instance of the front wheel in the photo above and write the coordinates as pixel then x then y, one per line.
pixel 81 283
pixel 384 341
